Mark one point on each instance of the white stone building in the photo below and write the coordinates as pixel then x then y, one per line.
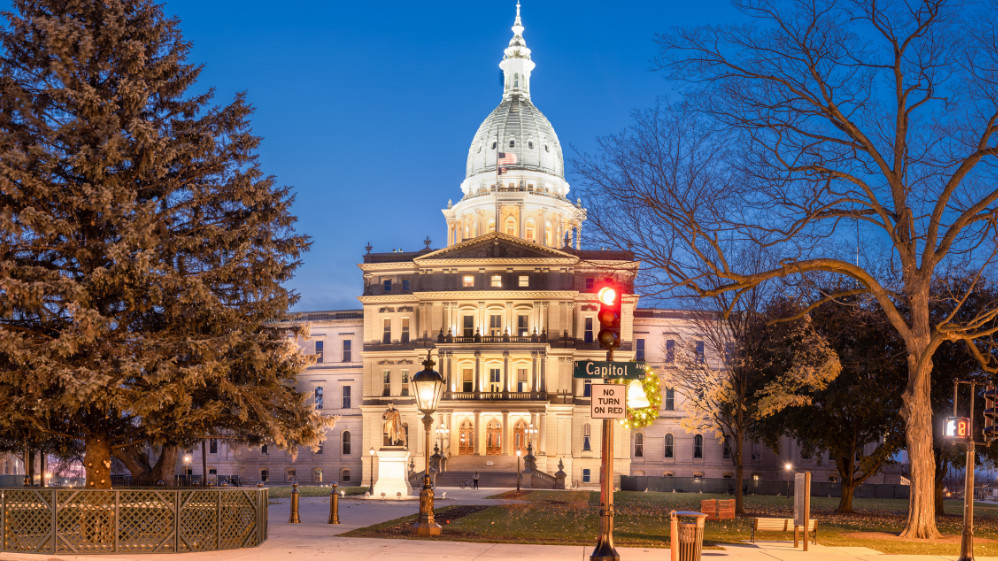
pixel 505 308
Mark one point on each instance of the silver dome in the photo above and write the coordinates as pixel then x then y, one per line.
pixel 518 123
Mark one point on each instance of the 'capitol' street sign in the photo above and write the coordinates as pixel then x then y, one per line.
pixel 596 369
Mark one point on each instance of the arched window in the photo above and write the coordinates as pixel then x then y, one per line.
pixel 516 82
pixel 492 227
pixel 698 446
pixel 529 231
pixel 345 475
pixel 512 144
pixel 586 445
pixel 520 437
pixel 511 226
pixel 548 240
pixel 346 443
pixel 317 475
pixel 639 445
pixel 466 439
pixel 493 145
pixel 530 144
pixel 669 444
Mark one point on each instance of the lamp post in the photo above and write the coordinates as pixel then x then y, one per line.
pixel 787 467
pixel 518 454
pixel 429 386
pixel 371 488
pixel 531 431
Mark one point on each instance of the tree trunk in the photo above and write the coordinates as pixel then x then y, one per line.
pixel 845 501
pixel 739 475
pixel 940 475
pixel 917 413
pixel 97 462
pixel 140 466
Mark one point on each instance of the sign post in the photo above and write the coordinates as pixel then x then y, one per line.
pixel 802 504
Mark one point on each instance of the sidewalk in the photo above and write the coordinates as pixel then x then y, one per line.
pixel 314 540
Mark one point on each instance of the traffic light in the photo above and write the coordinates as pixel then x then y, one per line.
pixel 609 296
pixel 990 414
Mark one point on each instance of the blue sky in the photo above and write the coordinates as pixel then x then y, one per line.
pixel 367 108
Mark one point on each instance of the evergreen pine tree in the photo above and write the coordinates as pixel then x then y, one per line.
pixel 142 250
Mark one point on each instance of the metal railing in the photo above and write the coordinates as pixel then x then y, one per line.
pixel 81 522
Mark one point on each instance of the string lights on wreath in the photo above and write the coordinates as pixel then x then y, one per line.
pixel 645 416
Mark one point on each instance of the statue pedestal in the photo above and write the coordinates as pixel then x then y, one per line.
pixel 393 471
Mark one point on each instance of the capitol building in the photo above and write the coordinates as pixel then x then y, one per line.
pixel 505 309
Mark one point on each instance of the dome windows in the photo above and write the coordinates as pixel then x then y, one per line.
pixel 494 145
pixel 530 144
pixel 512 144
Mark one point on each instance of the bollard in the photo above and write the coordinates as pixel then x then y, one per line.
pixel 294 519
pixel 334 506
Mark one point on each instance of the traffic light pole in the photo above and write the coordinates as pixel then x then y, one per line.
pixel 967 538
pixel 604 542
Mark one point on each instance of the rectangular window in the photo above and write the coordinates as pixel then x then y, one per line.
pixel 468 380
pixel 521 325
pixel 264 450
pixel 670 399
pixel 639 350
pixel 495 380
pixel 386 336
pixel 347 347
pixel 523 281
pixel 698 446
pixel 213 446
pixel 729 352
pixel 387 285
pixel 318 352
pixel 386 380
pixel 587 388
pixel 669 444
pixel 670 352
pixel 264 475
pixel 468 281
pixel 469 326
pixel 495 325
pixel 405 382
pixel 588 335
pixel 521 380
pixel 496 281
pixel 590 283
pixel 586 475
pixel 405 330
pixel 318 397
pixel 699 352
pixel 405 285
pixel 346 397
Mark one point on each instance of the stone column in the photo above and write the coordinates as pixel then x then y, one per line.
pixel 478 372
pixel 542 435
pixel 534 382
pixel 479 446
pixel 505 434
pixel 505 373
pixel 519 217
pixel 544 362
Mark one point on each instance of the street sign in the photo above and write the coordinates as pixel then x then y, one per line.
pixel 596 369
pixel 609 401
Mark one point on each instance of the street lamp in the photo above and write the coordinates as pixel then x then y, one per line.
pixel 531 431
pixel 429 387
pixel 788 466
pixel 187 468
pixel 518 454
pixel 443 435
pixel 371 488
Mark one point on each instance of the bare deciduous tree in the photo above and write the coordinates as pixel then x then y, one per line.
pixel 878 114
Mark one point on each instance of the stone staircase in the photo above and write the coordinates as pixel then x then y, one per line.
pixel 493 471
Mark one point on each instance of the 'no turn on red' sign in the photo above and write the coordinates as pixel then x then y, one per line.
pixel 608 401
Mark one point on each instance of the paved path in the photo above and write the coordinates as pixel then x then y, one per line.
pixel 314 540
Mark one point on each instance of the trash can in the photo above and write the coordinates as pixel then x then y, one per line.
pixel 686 535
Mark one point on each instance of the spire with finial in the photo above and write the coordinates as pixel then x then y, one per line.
pixel 516 64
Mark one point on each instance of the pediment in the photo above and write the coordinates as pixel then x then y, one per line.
pixel 496 246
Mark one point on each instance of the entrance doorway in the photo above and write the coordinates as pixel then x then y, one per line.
pixel 493 438
pixel 466 439
pixel 520 437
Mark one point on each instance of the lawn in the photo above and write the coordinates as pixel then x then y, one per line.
pixel 642 520
pixel 284 491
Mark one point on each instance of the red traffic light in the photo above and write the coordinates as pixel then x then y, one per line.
pixel 607 295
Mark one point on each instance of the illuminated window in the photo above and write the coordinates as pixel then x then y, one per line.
pixel 495 380
pixel 521 325
pixel 510 226
pixel 496 281
pixel 529 232
pixel 469 326
pixel 495 325
pixel 468 281
pixel 405 382
pixel 521 380
pixel 523 281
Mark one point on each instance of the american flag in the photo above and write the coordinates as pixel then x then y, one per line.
pixel 507 158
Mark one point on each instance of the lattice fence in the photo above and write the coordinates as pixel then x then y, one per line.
pixel 131 521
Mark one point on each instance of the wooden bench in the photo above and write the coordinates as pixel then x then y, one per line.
pixel 783 525
pixel 718 509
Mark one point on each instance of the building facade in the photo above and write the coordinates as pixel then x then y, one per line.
pixel 505 308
